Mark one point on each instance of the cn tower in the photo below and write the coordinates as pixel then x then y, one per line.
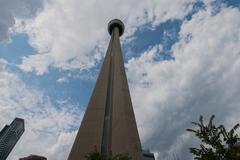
pixel 109 123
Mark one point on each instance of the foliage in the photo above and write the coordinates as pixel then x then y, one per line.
pixel 95 155
pixel 217 142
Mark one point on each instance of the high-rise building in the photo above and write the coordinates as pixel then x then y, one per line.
pixel 33 157
pixel 109 123
pixel 9 136
pixel 148 155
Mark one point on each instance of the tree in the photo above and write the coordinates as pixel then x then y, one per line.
pixel 95 155
pixel 217 142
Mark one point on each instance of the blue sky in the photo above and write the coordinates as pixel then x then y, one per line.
pixel 18 47
pixel 182 60
pixel 47 83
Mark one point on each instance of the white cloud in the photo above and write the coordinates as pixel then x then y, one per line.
pixel 62 148
pixel 62 80
pixel 46 125
pixel 11 9
pixel 68 33
pixel 203 79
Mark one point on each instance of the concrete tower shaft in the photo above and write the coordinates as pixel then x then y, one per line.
pixel 109 123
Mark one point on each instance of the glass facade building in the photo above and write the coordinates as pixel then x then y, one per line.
pixel 9 136
pixel 148 155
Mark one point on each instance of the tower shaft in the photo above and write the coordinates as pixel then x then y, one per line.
pixel 109 123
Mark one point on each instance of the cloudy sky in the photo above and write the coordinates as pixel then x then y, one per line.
pixel 182 60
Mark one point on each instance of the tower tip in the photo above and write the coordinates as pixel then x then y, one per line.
pixel 116 23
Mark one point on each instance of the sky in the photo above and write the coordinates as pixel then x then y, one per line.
pixel 182 60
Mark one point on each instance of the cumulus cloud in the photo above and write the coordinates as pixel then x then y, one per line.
pixel 68 34
pixel 62 80
pixel 47 126
pixel 203 79
pixel 71 34
pixel 11 9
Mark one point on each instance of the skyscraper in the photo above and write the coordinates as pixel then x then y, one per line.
pixel 148 155
pixel 109 123
pixel 9 136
